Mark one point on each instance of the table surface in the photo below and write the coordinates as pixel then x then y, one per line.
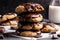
pixel 29 39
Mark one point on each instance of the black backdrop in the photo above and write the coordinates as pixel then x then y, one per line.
pixel 10 5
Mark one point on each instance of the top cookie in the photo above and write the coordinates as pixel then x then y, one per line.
pixel 29 7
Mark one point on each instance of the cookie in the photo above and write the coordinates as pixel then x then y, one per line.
pixel 48 28
pixel 34 26
pixel 11 16
pixel 8 16
pixel 28 34
pixel 29 7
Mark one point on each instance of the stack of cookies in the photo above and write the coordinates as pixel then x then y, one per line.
pixel 30 19
pixel 9 19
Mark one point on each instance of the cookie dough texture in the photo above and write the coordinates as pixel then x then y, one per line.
pixel 28 34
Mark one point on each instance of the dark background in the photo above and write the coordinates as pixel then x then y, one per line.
pixel 10 5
